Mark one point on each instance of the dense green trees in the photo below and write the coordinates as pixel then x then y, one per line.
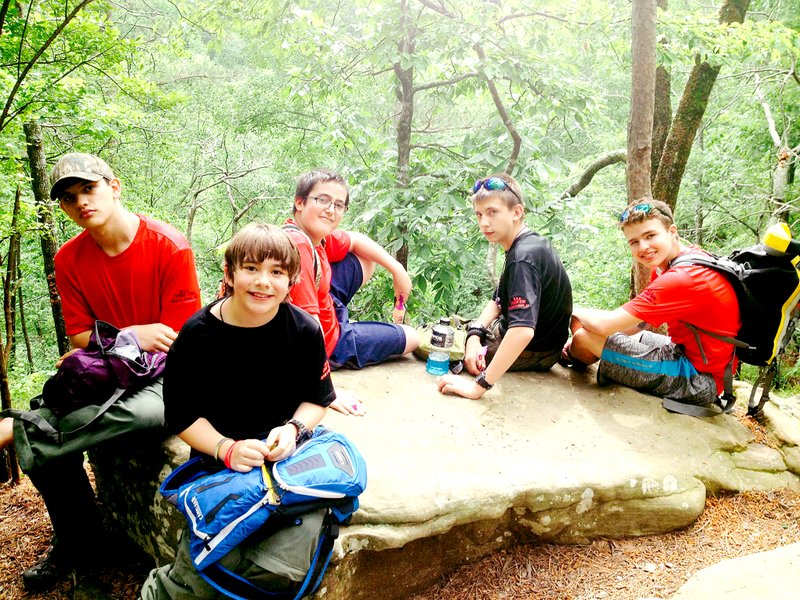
pixel 208 111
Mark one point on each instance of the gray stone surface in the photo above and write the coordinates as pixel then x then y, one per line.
pixel 547 457
pixel 773 575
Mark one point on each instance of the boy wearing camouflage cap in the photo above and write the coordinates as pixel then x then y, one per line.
pixel 131 271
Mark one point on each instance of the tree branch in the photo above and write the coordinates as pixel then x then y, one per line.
pixel 605 160
pixel 18 83
pixel 773 130
pixel 3 14
pixel 538 13
pixel 501 109
pixel 435 84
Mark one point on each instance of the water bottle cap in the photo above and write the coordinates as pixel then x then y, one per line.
pixel 444 321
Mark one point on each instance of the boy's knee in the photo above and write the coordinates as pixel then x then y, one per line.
pixel 586 346
pixel 412 338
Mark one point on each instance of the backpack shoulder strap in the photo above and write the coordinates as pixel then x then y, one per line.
pixel 51 432
pixel 317 271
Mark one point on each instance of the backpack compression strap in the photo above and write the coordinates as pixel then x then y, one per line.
pixel 235 586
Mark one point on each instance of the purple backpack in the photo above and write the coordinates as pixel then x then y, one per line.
pixel 111 364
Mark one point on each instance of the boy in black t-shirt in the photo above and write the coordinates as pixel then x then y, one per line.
pixel 246 376
pixel 525 325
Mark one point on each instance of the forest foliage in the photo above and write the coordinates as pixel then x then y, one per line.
pixel 208 111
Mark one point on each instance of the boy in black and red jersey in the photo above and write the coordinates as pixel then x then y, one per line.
pixel 524 327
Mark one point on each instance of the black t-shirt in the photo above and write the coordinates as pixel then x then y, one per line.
pixel 535 292
pixel 245 380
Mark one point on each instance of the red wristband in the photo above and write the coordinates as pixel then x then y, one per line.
pixel 227 461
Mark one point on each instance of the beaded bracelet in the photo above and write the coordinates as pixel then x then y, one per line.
pixel 228 455
pixel 218 446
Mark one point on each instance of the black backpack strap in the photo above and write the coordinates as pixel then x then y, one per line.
pixel 697 410
pixel 766 375
pixel 51 432
pixel 30 416
pixel 317 271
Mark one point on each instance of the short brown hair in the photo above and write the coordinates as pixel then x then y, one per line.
pixel 644 209
pixel 511 195
pixel 256 243
pixel 307 181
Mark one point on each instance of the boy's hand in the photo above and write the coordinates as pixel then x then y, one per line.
pixel 248 454
pixel 460 386
pixel 155 337
pixel 402 285
pixel 348 403
pixel 63 356
pixel 280 442
pixel 474 357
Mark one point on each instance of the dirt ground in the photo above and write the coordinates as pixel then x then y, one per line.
pixel 732 525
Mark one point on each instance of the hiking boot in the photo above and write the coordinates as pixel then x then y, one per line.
pixel 54 566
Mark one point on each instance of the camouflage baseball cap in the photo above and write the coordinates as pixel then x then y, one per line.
pixel 77 165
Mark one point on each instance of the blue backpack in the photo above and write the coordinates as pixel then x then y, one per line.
pixel 224 507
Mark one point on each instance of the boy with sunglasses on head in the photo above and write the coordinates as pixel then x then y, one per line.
pixel 685 366
pixel 334 264
pixel 525 325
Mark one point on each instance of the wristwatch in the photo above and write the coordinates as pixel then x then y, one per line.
pixel 302 430
pixel 478 330
pixel 481 381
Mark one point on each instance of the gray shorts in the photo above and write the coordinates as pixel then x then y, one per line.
pixel 650 362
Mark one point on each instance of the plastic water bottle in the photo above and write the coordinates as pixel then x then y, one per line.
pixel 442 336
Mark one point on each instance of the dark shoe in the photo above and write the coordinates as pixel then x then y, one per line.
pixel 52 568
pixel 568 362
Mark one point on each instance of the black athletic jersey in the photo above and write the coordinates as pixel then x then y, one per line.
pixel 535 292
pixel 245 380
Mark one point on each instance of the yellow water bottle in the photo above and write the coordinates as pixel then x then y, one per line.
pixel 778 240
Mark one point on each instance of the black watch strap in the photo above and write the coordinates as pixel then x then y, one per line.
pixel 302 430
pixel 481 381
pixel 478 330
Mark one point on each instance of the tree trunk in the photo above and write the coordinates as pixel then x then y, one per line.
pixel 662 109
pixel 405 117
pixel 49 238
pixel 690 113
pixel 24 326
pixel 11 283
pixel 640 125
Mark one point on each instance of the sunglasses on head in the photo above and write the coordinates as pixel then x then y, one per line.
pixel 494 184
pixel 644 208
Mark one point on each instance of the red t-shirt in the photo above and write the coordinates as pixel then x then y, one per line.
pixel 154 280
pixel 304 293
pixel 696 295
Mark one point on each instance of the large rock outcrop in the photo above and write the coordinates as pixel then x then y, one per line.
pixel 547 457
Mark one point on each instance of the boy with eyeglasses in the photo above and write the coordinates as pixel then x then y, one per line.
pixel 334 264
pixel 685 366
pixel 524 327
